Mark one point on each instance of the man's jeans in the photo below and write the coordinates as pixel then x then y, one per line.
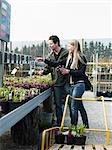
pixel 77 91
pixel 59 99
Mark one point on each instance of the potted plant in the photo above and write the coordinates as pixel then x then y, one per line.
pixel 16 98
pixel 76 135
pixel 59 136
pixel 4 100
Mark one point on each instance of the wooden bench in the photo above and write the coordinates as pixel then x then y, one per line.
pixel 85 147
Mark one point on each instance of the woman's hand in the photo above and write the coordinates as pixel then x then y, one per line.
pixel 64 71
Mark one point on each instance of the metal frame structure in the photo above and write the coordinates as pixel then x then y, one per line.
pixel 48 136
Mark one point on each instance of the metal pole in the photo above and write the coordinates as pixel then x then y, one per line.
pixel 82 45
pixel 2 65
pixel 44 49
pixel 93 74
pixel 64 113
pixel 106 122
pixel 96 74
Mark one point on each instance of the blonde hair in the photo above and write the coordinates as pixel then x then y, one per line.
pixel 76 55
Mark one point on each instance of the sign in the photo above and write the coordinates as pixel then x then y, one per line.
pixel 5 13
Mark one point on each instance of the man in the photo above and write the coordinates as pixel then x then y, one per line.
pixel 56 59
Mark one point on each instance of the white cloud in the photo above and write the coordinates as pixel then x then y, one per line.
pixel 38 19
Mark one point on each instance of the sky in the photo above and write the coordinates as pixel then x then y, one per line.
pixel 33 20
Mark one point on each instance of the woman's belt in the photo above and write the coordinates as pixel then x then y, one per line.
pixel 80 81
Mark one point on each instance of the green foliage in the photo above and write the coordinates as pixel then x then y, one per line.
pixel 93 47
pixel 78 129
pixel 19 89
pixel 34 49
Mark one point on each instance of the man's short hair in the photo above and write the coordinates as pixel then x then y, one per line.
pixel 55 39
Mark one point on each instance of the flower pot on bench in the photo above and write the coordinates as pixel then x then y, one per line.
pixel 76 140
pixel 4 106
pixel 60 138
pixel 76 135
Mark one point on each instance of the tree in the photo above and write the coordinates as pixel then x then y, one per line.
pixel 33 50
pixel 86 50
pixel 91 50
pixel 24 49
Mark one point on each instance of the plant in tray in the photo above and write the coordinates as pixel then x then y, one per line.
pixel 4 100
pixel 16 98
pixel 76 135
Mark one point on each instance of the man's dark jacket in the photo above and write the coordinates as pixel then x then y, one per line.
pixel 53 63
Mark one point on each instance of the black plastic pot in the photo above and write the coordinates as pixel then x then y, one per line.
pixel 109 94
pixel 104 93
pixel 4 107
pixel 76 140
pixel 99 93
pixel 60 139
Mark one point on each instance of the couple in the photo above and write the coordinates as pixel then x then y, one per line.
pixel 67 68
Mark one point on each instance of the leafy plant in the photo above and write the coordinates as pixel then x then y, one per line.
pixel 77 130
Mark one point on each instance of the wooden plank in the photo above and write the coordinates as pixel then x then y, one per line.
pixel 108 147
pixel 88 147
pixel 66 147
pixel 55 147
pixel 74 147
pixel 99 147
pixel 77 147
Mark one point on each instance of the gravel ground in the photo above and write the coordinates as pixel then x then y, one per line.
pixel 96 120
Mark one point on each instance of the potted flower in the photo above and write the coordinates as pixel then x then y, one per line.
pixel 76 135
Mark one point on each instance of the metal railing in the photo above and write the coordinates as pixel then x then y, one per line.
pixel 48 135
pixel 10 119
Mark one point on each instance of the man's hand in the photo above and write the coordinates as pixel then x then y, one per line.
pixel 40 73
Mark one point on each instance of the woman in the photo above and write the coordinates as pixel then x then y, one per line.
pixel 75 68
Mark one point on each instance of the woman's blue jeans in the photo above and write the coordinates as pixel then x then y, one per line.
pixel 77 91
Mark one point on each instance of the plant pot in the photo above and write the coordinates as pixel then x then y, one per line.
pixel 60 139
pixel 99 93
pixel 4 107
pixel 76 140
pixel 104 93
pixel 109 94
